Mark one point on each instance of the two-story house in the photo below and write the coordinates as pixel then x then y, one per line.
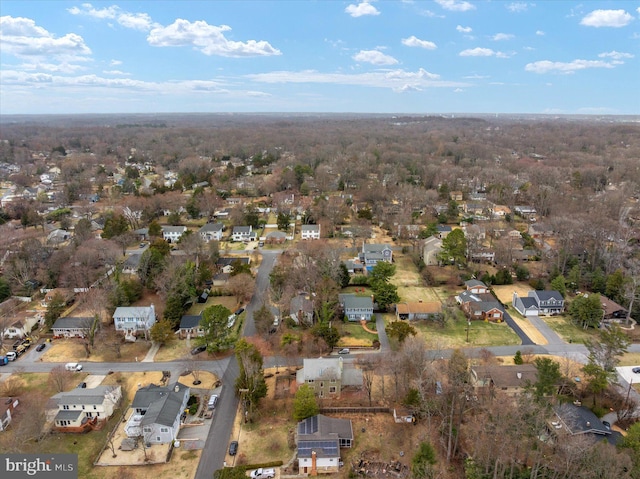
pixel 327 376
pixel 372 253
pixel 310 232
pixel 319 440
pixel 211 232
pixel 156 413
pixel 549 302
pixel 243 233
pixel 84 409
pixel 431 249
pixel 356 308
pixel 134 320
pixel 172 234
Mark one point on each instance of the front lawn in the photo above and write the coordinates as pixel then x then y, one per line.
pixel 228 302
pixel 454 333
pixel 567 330
pixel 353 334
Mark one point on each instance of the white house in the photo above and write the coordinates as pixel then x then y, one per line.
pixel 80 409
pixel 310 232
pixel 319 440
pixel 172 234
pixel 211 232
pixel 243 233
pixel 132 320
pixel 156 412
pixel 69 327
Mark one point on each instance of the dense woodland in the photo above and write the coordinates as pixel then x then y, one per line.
pixel 582 176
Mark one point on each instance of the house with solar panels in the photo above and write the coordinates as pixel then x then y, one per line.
pixel 319 440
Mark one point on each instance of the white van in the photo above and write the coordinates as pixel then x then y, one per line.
pixel 12 356
pixel 213 400
pixel 73 367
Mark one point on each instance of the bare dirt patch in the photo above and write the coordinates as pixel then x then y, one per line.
pixel 528 328
pixel 504 292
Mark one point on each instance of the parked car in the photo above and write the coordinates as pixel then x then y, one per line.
pixel 213 400
pixel 40 347
pixel 239 312
pixel 198 349
pixel 344 351
pixel 607 424
pixel 233 448
pixel 12 356
pixel 636 370
pixel 73 367
pixel 263 473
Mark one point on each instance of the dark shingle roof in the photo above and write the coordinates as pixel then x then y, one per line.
pixel 73 323
pixel 190 321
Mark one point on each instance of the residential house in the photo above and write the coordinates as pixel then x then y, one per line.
pixel 549 302
pixel 500 211
pixel 328 376
pixel 480 306
pixel 85 409
pixel 356 308
pixel 509 380
pixel 310 232
pixel 276 237
pixel 421 310
pixel 57 237
pixel 372 253
pixel 226 263
pixel 577 420
pixel 66 294
pixel 243 233
pixel 319 440
pixel 409 231
pixel 134 320
pixel 476 286
pixel 172 234
pixel 526 305
pixel 612 311
pixel 131 263
pixel 7 408
pixel 211 232
pixel 157 413
pixel 431 249
pixel 190 326
pixel 540 230
pixel 301 309
pixel 354 266
pixel 70 327
pixel 443 231
pixel 456 196
pixel 474 232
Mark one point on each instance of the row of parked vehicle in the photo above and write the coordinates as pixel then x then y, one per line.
pixel 20 347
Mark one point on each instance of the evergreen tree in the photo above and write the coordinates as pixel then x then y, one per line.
pixel 305 404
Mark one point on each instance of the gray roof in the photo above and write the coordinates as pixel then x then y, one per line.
pixel 472 283
pixel 546 295
pixel 241 229
pixel 322 434
pixel 228 260
pixel 443 228
pixel 580 420
pixel 317 368
pixel 310 228
pixel 190 321
pixel 485 306
pixel 374 247
pixel 163 403
pixel 73 323
pixel 174 229
pixel 86 396
pixel 211 227
pixel 133 260
pixel 352 301
pixel 68 415
pixel 528 302
pixel 276 234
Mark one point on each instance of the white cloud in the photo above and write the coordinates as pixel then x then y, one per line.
pixel 518 7
pixel 540 33
pixel 397 80
pixel 458 90
pixel 502 36
pixel 607 18
pixel 615 55
pixel 209 39
pixel 375 57
pixel 456 5
pixel 477 52
pixel 546 66
pixel 51 67
pixel 115 72
pixel 136 21
pixel 114 63
pixel 413 41
pixel 88 10
pixel 462 29
pixel 361 9
pixel 476 77
pixel 21 37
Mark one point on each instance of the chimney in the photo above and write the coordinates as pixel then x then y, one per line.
pixel 176 389
pixel 314 464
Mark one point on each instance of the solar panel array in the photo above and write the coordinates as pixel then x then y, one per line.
pixel 308 426
pixel 322 448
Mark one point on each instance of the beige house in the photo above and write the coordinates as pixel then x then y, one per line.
pixel 82 410
pixel 508 380
pixel 327 376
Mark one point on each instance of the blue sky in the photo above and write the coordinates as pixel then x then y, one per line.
pixel 422 57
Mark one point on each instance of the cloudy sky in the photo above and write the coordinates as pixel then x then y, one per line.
pixel 411 56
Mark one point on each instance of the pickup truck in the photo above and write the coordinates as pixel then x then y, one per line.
pixel 263 473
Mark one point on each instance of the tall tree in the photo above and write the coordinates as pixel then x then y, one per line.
pixel 586 310
pixel 548 377
pixel 454 248
pixel 217 335
pixel 55 308
pixel 400 330
pixel 305 404
pixel 250 384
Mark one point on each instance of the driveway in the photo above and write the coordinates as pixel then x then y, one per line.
pixel 549 334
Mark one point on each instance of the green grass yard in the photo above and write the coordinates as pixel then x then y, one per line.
pixel 567 330
pixel 353 334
